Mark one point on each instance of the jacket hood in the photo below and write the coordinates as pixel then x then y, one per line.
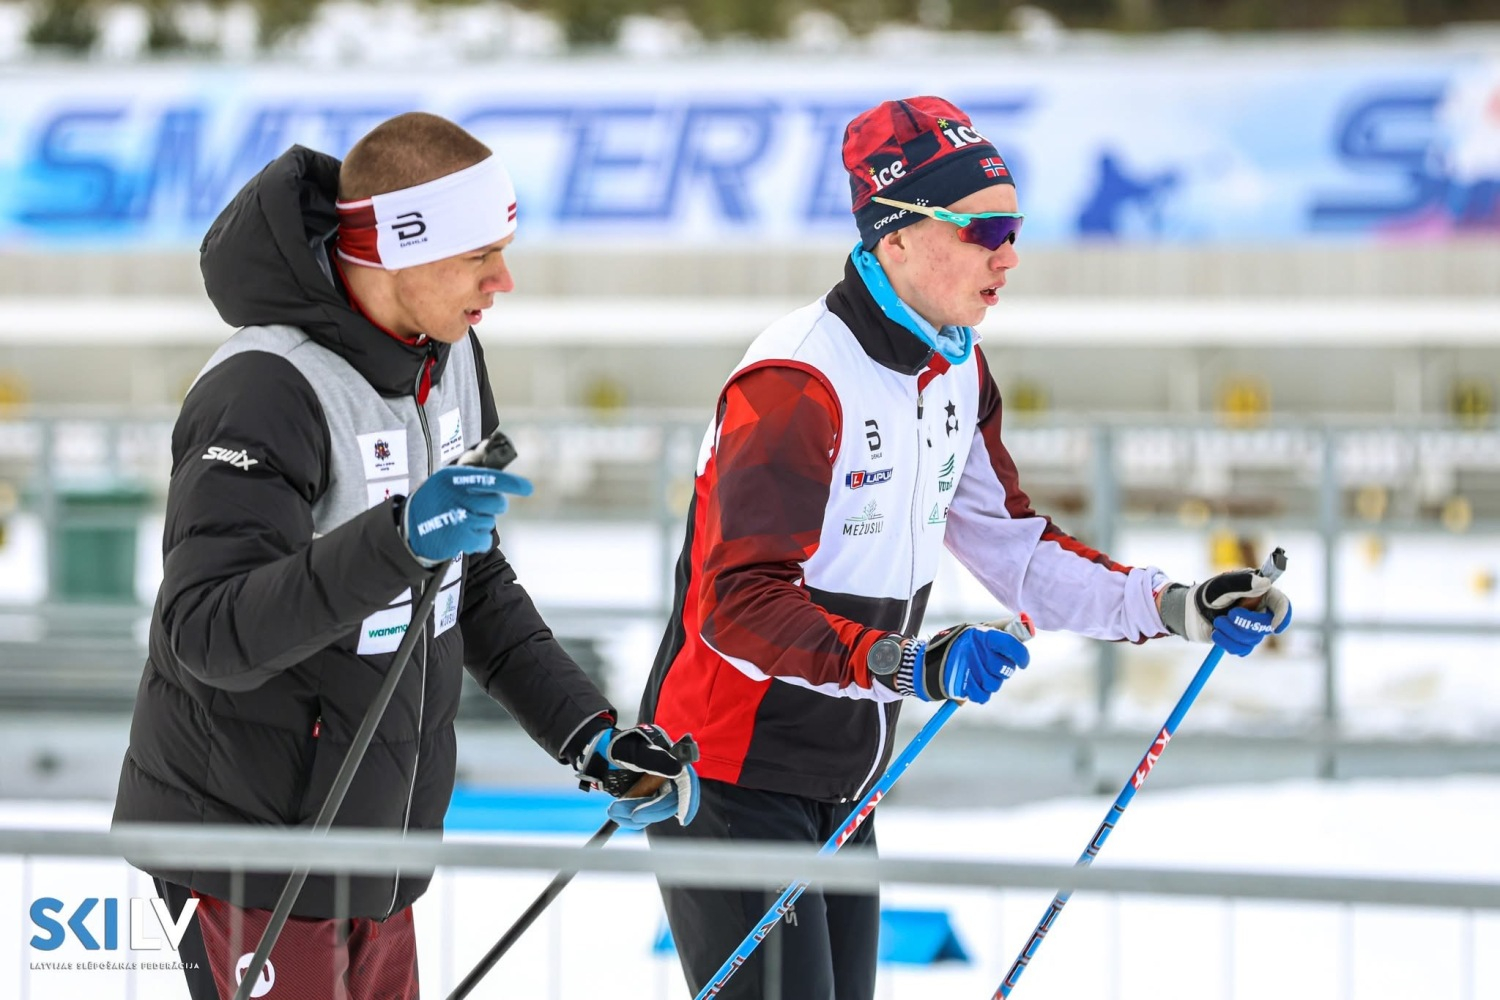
pixel 266 261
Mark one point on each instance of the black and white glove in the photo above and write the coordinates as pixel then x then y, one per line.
pixel 616 759
pixel 1210 611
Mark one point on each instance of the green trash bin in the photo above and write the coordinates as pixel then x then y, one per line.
pixel 94 542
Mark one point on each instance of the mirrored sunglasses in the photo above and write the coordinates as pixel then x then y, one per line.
pixel 991 230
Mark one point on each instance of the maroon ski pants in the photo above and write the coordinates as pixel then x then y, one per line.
pixel 355 959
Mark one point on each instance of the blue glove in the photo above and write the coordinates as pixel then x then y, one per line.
pixel 965 662
pixel 454 511
pixel 1239 630
pixel 615 760
pixel 1210 611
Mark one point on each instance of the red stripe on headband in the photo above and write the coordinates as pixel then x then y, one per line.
pixel 510 213
pixel 359 233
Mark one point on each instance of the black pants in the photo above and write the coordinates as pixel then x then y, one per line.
pixel 824 949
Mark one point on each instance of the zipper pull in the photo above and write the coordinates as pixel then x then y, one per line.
pixel 919 405
pixel 424 380
pixel 318 727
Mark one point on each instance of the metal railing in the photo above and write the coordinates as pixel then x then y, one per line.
pixel 1102 478
pixel 1157 927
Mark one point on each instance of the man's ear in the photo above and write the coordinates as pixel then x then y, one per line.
pixel 892 247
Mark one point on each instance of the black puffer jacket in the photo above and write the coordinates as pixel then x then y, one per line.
pixel 286 585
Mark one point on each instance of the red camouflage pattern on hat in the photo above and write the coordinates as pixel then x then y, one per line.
pixel 896 139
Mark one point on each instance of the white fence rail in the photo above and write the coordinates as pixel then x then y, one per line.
pixel 1131 932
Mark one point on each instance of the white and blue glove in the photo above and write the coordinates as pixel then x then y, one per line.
pixel 454 511
pixel 1210 611
pixel 962 663
pixel 616 759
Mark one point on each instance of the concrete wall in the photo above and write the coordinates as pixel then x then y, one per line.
pixel 1455 268
pixel 540 369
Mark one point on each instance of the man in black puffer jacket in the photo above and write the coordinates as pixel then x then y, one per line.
pixel 311 497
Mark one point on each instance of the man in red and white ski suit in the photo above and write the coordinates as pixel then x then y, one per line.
pixel 858 435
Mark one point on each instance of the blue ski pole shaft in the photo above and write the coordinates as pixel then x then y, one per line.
pixel 1022 629
pixel 854 822
pixel 1102 834
pixel 1273 568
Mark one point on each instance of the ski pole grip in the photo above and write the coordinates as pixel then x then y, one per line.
pixel 646 786
pixel 1275 564
pixel 1273 567
pixel 494 452
pixel 1020 627
pixel 685 750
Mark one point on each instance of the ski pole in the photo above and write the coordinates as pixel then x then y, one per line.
pixel 495 452
pixel 1274 566
pixel 1021 628
pixel 685 750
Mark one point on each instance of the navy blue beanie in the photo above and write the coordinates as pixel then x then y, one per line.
pixel 921 150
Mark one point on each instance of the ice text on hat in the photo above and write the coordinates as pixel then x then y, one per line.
pixel 886 176
pixel 960 135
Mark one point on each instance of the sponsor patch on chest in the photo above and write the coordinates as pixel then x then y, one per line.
pixel 384 453
pixel 450 436
pixel 869 521
pixel 867 477
pixel 381 492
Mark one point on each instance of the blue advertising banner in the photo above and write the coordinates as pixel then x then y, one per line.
pixel 1220 148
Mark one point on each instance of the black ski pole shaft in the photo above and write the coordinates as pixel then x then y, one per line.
pixel 342 781
pixel 525 920
pixel 495 452
pixel 685 749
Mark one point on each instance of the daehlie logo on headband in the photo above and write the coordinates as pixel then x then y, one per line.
pixel 467 210
pixel 409 228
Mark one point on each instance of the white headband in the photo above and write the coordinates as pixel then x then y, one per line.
pixel 463 211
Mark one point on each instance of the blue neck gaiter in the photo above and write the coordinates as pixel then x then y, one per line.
pixel 953 342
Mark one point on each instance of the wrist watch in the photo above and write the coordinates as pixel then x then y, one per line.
pixel 884 657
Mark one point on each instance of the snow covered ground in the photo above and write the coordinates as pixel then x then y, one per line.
pixel 1115 948
pixel 1122 948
